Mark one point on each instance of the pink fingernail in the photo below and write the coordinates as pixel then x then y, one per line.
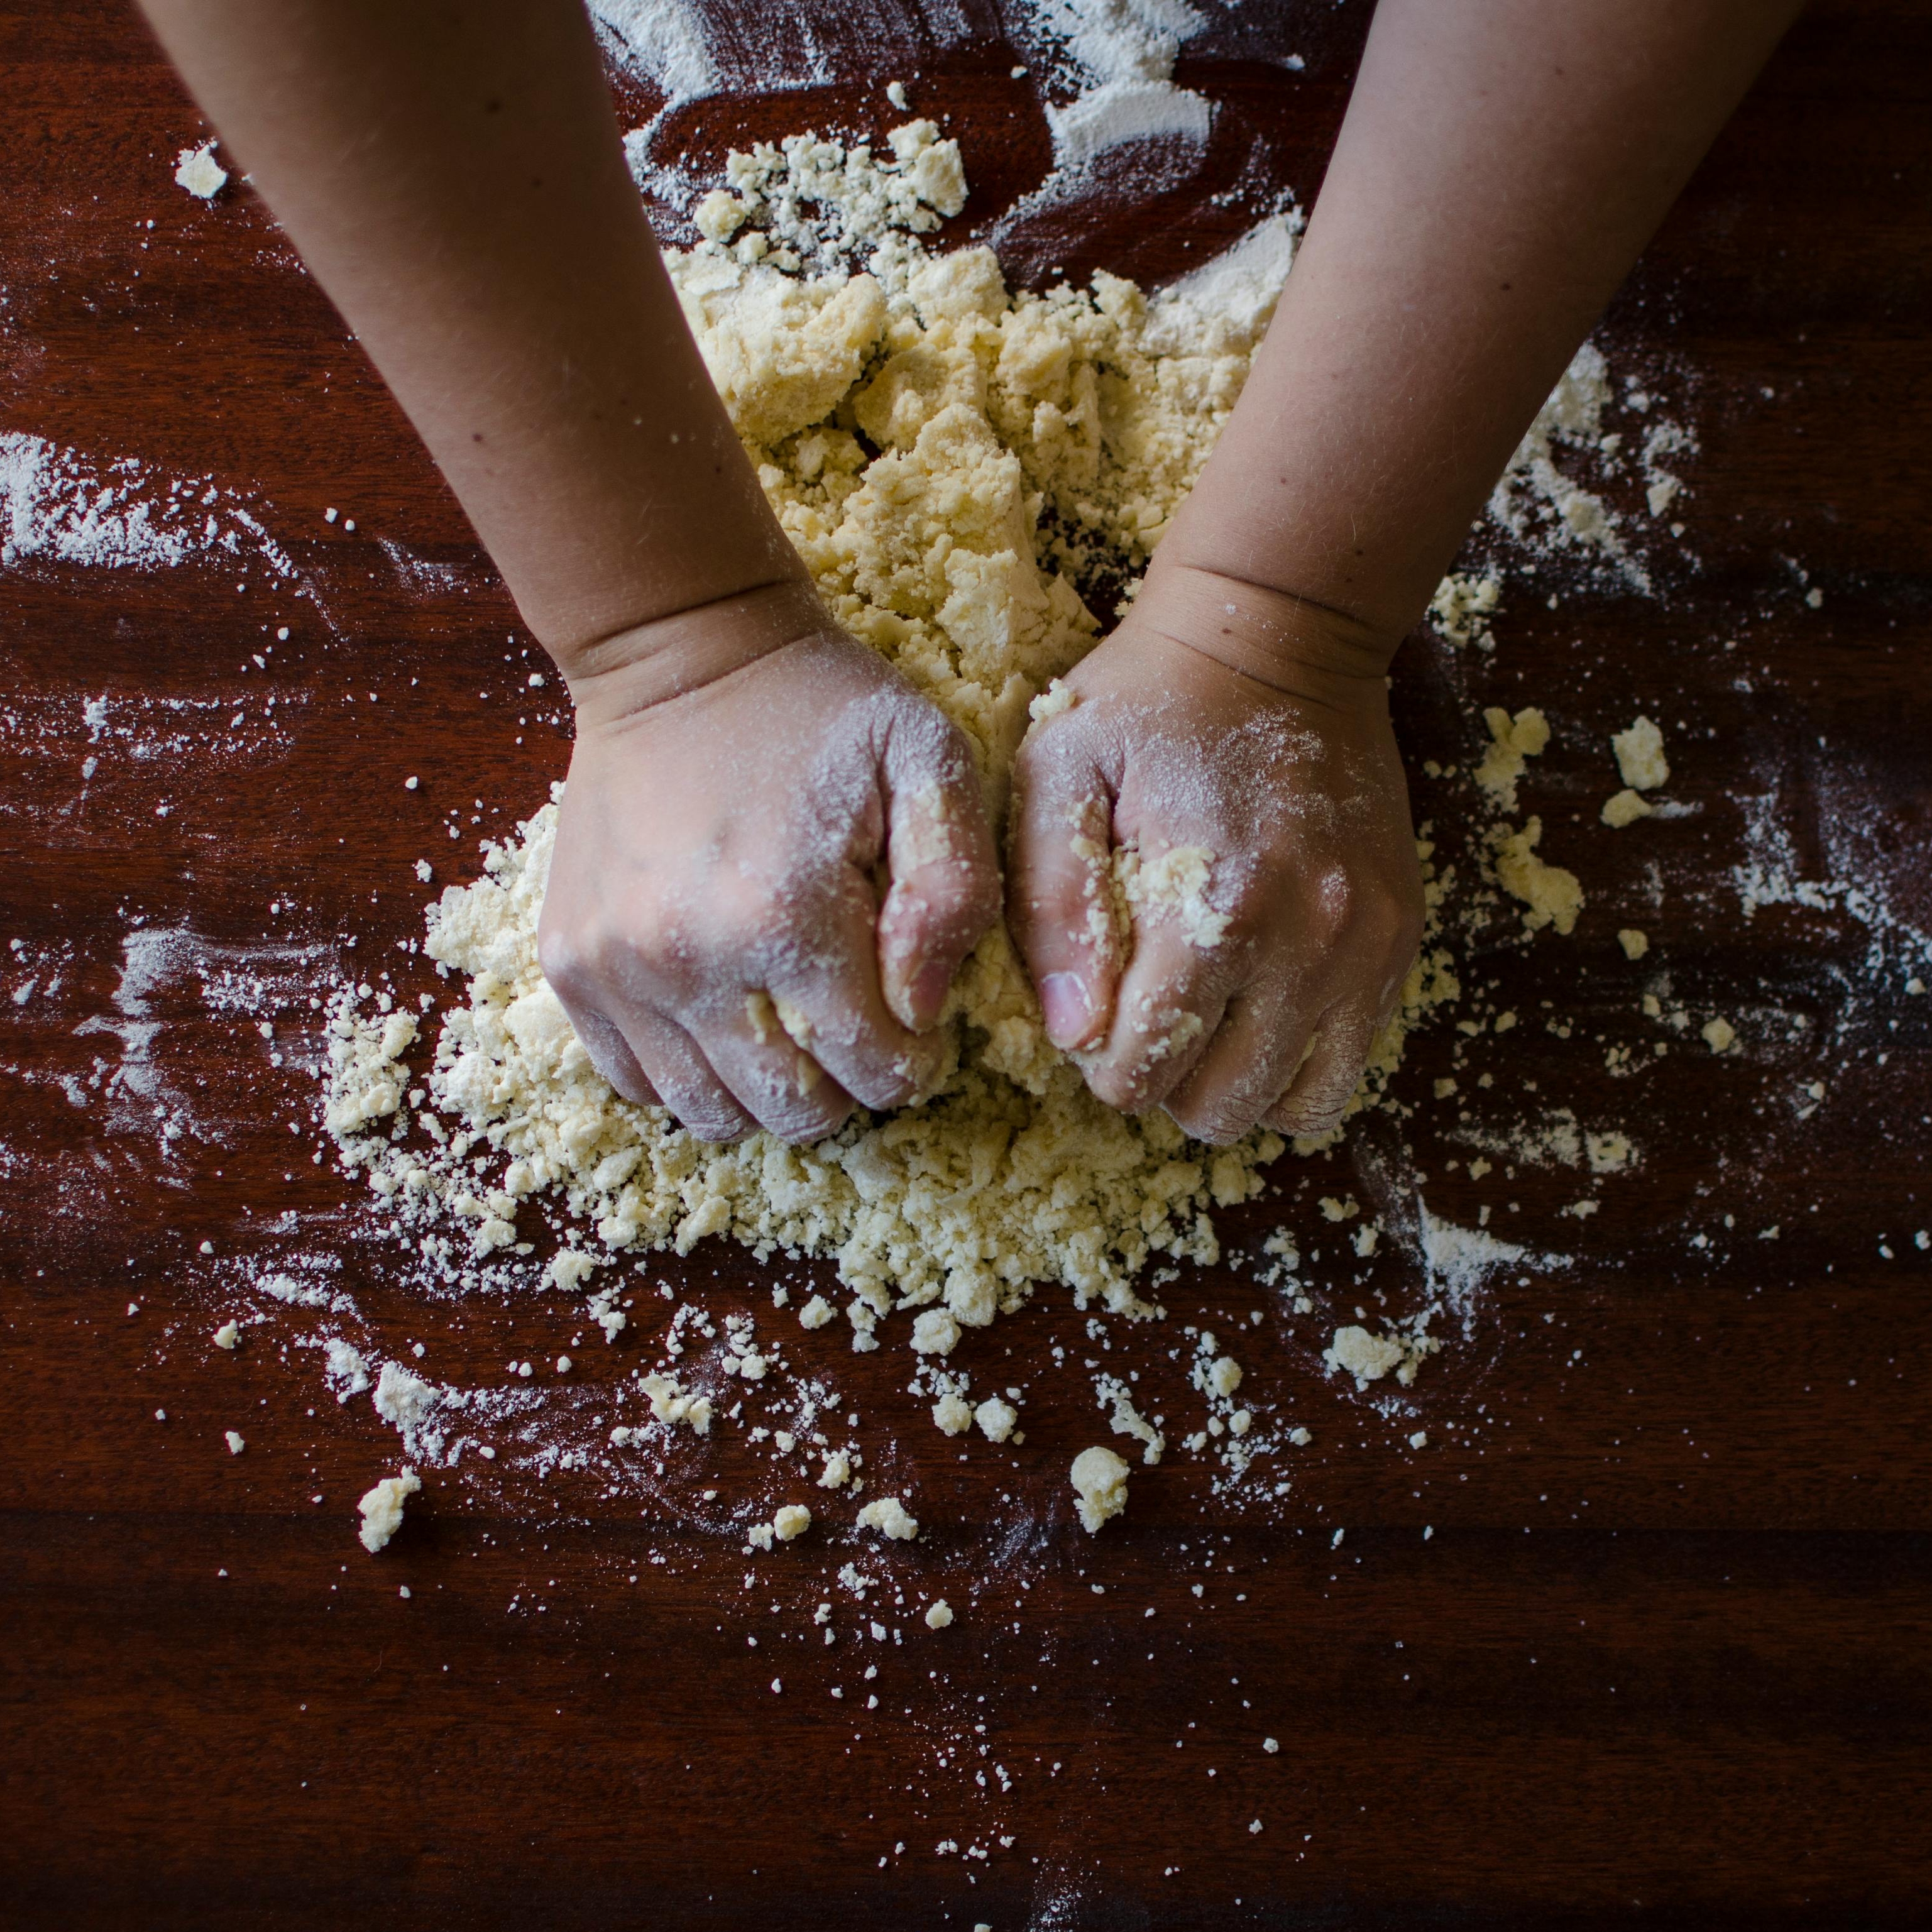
pixel 928 993
pixel 1063 1000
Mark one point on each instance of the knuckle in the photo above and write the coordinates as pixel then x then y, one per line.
pixel 560 955
pixel 1115 1086
pixel 1214 1121
pixel 802 1123
pixel 712 1118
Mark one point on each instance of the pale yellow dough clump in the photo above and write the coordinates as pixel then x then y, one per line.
pixel 943 452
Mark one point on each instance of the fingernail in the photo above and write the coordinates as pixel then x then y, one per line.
pixel 1062 1000
pixel 929 988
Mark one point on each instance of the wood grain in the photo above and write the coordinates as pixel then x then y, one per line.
pixel 1640 1636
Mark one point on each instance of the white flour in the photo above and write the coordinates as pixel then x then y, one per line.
pixel 58 506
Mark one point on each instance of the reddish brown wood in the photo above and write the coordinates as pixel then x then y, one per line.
pixel 1663 1657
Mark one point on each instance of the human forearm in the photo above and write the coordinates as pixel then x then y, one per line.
pixel 453 177
pixel 1501 164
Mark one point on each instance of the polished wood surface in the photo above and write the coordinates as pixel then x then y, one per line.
pixel 1640 1636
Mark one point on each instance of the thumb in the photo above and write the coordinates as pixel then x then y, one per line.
pixel 1065 912
pixel 945 890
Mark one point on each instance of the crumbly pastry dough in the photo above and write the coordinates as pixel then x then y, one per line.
pixel 947 455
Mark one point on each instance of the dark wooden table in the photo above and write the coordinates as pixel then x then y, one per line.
pixel 1640 1635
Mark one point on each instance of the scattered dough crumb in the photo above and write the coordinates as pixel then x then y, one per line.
pixel 938 1614
pixel 1367 1357
pixel 200 172
pixel 996 1418
pixel 935 1332
pixel 1625 807
pixel 382 1508
pixel 1718 1034
pixel 1058 696
pixel 228 1336
pixel 1100 1479
pixel 791 1522
pixel 1639 750
pixel 671 1404
pixel 1512 740
pixel 953 1414
pixel 1635 944
pixel 1553 896
pixel 1462 606
pixel 235 1444
pixel 888 1516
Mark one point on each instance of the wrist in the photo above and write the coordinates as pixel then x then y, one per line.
pixel 617 676
pixel 1294 643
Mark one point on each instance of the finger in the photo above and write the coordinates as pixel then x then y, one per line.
pixel 674 1063
pixel 836 1006
pixel 1320 1092
pixel 771 1073
pixel 1264 1035
pixel 1170 1002
pixel 945 890
pixel 611 1054
pixel 1065 914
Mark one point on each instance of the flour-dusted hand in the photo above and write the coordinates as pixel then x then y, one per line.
pixel 1213 874
pixel 763 881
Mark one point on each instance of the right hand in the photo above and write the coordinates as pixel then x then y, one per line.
pixel 712 925
pixel 1252 730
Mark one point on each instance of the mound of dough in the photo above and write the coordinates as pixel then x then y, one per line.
pixel 948 456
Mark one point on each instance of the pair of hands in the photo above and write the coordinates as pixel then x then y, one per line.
pixel 766 876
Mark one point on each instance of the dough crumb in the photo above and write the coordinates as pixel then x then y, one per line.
pixel 888 1517
pixel 1173 886
pixel 1634 942
pixel 198 171
pixel 1369 1357
pixel 953 1414
pixel 1625 807
pixel 1719 1034
pixel 1462 607
pixel 996 1418
pixel 672 1405
pixel 1058 696
pixel 837 1471
pixel 1100 1479
pixel 1553 896
pixel 935 1332
pixel 382 1508
pixel 1639 750
pixel 791 1522
pixel 1512 740
pixel 235 1444
pixel 938 1614
pixel 228 1336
